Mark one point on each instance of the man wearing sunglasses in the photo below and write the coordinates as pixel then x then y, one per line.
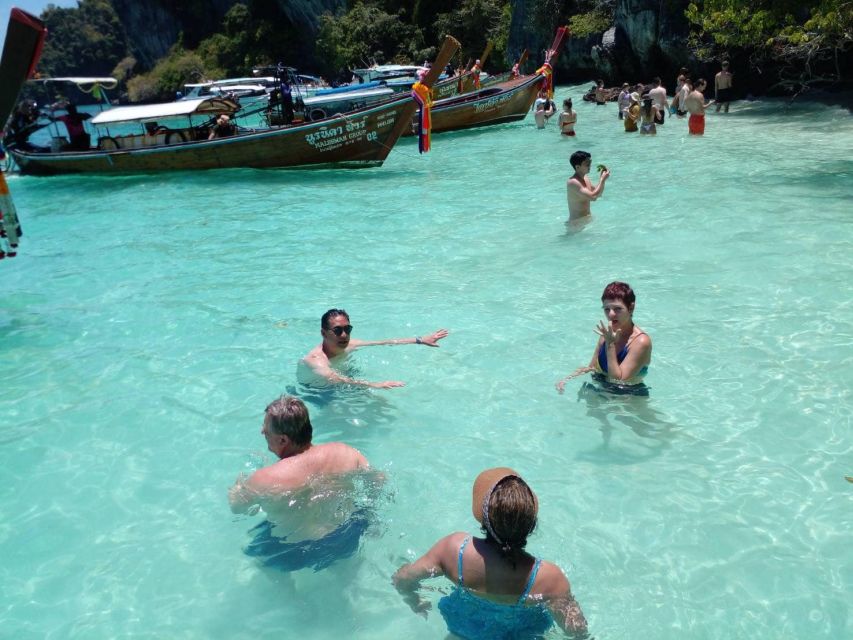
pixel 337 343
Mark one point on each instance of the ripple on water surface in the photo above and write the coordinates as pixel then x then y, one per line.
pixel 148 320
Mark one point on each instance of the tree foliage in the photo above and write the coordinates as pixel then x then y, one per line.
pixel 476 22
pixel 89 37
pixel 806 37
pixel 588 17
pixel 171 73
pixel 367 33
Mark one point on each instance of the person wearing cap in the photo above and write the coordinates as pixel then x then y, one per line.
pixel 307 494
pixel 325 360
pixel 543 109
pixel 501 591
pixel 632 113
pixel 624 99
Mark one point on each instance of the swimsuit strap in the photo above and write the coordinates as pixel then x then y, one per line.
pixel 459 562
pixel 530 581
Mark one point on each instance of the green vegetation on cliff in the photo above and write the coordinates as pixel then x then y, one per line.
pixel 87 40
pixel 800 41
pixel 805 38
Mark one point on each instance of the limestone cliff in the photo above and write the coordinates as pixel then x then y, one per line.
pixel 154 26
pixel 647 38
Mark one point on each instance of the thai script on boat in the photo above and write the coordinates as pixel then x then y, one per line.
pixel 352 125
pixel 491 103
pixel 330 138
pixel 322 134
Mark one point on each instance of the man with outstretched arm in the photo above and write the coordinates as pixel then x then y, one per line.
pixel 337 344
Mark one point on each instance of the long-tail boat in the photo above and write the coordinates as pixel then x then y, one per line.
pixel 498 103
pixel 24 41
pixel 359 138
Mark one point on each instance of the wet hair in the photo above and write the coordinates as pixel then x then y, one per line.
pixel 567 103
pixel 647 105
pixel 656 81
pixel 512 515
pixel 288 416
pixel 700 81
pixel 619 291
pixel 332 313
pixel 578 158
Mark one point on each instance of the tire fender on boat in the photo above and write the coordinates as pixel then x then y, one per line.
pixel 317 114
pixel 172 135
pixel 107 143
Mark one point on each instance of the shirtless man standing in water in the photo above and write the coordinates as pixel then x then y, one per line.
pixel 307 494
pixel 723 87
pixel 579 189
pixel 695 104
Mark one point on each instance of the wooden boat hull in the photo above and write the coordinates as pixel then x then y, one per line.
pixel 356 139
pixel 503 102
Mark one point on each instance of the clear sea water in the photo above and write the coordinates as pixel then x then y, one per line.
pixel 149 319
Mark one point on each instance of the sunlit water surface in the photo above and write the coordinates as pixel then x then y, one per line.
pixel 149 319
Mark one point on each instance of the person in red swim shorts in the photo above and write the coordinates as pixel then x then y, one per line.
pixel 695 104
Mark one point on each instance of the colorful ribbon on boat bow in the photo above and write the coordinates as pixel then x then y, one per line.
pixel 548 80
pixel 10 228
pixel 421 94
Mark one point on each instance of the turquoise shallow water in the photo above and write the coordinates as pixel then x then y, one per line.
pixel 149 319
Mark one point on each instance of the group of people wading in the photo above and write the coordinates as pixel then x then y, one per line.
pixel 313 517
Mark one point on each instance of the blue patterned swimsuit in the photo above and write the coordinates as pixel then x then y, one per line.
pixel 474 618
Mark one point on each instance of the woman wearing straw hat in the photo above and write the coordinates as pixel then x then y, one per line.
pixel 502 591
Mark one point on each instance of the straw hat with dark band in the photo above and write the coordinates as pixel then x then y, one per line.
pixel 484 485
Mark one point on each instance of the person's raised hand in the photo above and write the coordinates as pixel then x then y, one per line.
pixel 606 331
pixel 433 338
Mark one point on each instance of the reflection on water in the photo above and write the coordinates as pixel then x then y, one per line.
pixel 637 413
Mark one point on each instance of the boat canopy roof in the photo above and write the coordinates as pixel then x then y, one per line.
pixel 203 106
pixel 107 83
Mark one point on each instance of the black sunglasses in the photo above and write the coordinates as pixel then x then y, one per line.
pixel 346 329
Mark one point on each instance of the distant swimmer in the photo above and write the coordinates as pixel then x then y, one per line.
pixel 658 95
pixel 579 189
pixel 601 93
pixel 695 105
pixel 325 359
pixel 624 351
pixel 723 87
pixel 567 119
pixel 306 494
pixel 543 109
pixel 501 591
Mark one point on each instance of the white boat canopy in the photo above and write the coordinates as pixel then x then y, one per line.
pixel 203 106
pixel 106 83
